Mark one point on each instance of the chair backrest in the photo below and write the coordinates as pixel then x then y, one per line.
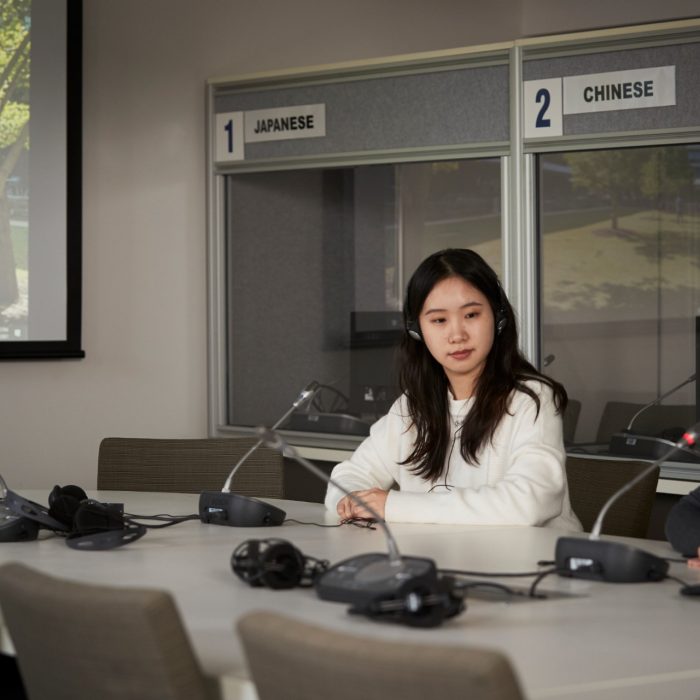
pixel 188 466
pixel 297 661
pixel 570 420
pixel 665 420
pixel 593 481
pixel 77 641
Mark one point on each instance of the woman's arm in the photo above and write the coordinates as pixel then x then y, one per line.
pixel 373 465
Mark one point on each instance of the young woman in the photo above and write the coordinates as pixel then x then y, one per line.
pixel 476 436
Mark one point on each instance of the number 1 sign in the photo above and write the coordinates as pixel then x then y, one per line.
pixel 228 143
pixel 542 108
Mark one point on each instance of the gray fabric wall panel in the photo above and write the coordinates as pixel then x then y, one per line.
pixel 685 113
pixel 440 108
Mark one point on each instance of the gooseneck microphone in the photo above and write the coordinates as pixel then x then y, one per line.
pixel 306 394
pixel 615 562
pixel 274 440
pixel 657 400
pixel 232 509
pixel 366 578
pixel 646 446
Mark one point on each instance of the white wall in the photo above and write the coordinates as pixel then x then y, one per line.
pixel 144 285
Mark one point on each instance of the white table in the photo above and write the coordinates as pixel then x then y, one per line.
pixel 602 641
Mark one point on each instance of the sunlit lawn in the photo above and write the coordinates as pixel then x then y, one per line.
pixel 20 237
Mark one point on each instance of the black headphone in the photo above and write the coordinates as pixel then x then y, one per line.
pixel 274 563
pixel 413 329
pixel 86 524
pixel 91 524
pixel 425 604
pixel 501 321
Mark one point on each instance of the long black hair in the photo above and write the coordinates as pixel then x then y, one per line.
pixel 425 385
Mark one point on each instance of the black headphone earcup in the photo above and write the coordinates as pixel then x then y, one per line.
pixel 63 508
pixel 276 564
pixel 421 605
pixel 501 321
pixel 413 330
pixel 283 564
pixel 245 564
pixel 69 490
pixel 92 516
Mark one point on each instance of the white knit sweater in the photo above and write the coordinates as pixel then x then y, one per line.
pixel 520 478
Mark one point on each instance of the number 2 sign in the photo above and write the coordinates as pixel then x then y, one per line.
pixel 542 108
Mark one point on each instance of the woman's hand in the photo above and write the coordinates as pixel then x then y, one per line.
pixel 375 498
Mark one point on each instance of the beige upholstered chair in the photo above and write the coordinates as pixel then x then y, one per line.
pixel 188 466
pixel 292 660
pixel 593 481
pixel 76 641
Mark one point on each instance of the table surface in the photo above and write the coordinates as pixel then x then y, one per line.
pixel 590 640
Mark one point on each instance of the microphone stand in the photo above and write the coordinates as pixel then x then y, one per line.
pixel 226 508
pixel 366 577
pixel 616 562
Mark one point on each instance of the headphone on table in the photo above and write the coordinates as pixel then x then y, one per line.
pixel 275 563
pixel 85 523
pixel 426 604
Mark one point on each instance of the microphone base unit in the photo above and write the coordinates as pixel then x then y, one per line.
pixel 648 447
pixel 367 577
pixel 341 423
pixel 612 562
pixel 234 510
pixel 15 528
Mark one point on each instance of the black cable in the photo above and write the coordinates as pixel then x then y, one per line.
pixel 539 575
pixel 301 522
pixel 158 516
pixel 488 584
pixel 168 523
pixel 357 522
pixel 503 574
pixel 538 578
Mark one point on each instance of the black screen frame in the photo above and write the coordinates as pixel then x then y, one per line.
pixel 71 347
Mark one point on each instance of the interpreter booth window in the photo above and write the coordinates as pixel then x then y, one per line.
pixel 620 260
pixel 317 264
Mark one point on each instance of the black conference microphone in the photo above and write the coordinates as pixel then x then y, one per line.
pixel 226 508
pixel 615 562
pixel 14 527
pixel 366 578
pixel 645 446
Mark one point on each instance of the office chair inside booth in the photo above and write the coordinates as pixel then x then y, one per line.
pixel 297 661
pixel 665 420
pixel 570 421
pixel 593 481
pixel 77 641
pixel 188 466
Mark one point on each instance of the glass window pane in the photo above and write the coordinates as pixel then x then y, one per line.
pixel 620 245
pixel 317 262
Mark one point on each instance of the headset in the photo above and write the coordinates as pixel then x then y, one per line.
pixel 85 523
pixel 424 604
pixel 275 563
pixel 413 329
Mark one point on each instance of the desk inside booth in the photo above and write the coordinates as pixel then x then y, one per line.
pixel 587 640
